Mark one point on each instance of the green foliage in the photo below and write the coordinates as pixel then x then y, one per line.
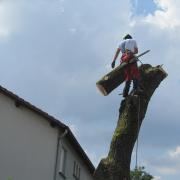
pixel 140 174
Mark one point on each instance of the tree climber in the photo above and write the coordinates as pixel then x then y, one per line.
pixel 128 47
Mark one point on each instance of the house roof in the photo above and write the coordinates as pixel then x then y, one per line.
pixel 54 123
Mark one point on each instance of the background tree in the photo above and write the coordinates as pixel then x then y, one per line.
pixel 139 173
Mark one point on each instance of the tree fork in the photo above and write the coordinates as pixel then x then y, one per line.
pixel 116 166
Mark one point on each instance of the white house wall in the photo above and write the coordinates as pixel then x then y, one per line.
pixel 70 158
pixel 27 143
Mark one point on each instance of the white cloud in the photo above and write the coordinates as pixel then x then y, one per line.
pixel 168 163
pixel 167 170
pixel 9 18
pixel 175 153
pixel 167 16
pixel 4 26
pixel 156 178
pixel 73 30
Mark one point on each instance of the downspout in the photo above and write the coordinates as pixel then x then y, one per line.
pixel 59 144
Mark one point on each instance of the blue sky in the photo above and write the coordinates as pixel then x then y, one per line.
pixel 53 52
pixel 143 7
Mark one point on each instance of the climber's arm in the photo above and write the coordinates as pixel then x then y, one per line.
pixel 115 57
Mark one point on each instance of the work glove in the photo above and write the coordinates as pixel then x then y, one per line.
pixel 113 64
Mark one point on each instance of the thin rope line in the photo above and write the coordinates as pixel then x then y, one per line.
pixel 137 142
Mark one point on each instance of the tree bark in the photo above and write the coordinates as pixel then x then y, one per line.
pixel 116 166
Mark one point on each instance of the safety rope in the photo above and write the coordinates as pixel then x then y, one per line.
pixel 137 142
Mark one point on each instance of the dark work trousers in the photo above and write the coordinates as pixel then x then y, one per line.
pixel 127 86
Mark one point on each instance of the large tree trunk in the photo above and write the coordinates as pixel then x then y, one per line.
pixel 131 114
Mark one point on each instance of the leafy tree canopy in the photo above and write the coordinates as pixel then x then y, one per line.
pixel 139 173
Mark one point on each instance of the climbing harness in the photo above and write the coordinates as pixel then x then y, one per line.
pixel 137 142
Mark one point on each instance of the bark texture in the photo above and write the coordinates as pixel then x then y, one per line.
pixel 131 114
